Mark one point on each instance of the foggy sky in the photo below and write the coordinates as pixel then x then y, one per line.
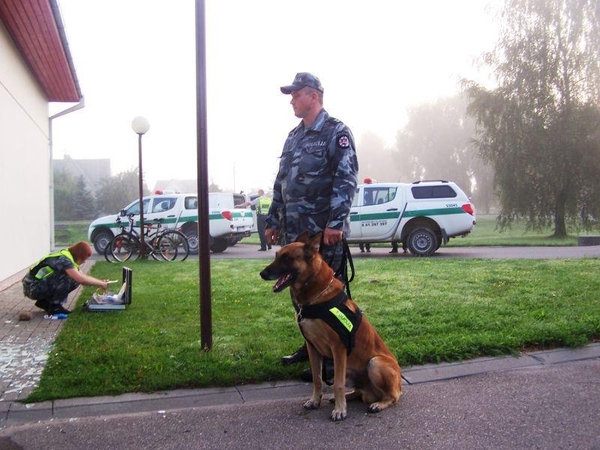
pixel 137 57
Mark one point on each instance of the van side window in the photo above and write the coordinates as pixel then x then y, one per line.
pixel 191 203
pixel 443 191
pixel 162 204
pixel 379 195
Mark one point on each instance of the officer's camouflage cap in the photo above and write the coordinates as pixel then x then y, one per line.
pixel 303 79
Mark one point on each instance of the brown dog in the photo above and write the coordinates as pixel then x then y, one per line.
pixel 360 355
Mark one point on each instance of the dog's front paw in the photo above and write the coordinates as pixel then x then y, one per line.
pixel 313 403
pixel 376 407
pixel 338 414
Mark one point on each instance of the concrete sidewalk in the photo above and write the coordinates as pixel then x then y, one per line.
pixel 24 347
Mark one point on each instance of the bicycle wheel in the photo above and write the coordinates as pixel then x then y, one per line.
pixel 108 254
pixel 173 246
pixel 124 247
pixel 153 248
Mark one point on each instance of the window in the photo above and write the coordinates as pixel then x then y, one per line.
pixel 135 208
pixel 443 191
pixel 191 203
pixel 162 204
pixel 238 199
pixel 379 195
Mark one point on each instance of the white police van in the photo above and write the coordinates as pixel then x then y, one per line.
pixel 180 211
pixel 422 215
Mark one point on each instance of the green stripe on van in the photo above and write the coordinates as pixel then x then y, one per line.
pixel 168 221
pixel 434 212
pixel 375 216
pixel 408 214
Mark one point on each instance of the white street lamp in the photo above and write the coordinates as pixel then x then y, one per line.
pixel 140 126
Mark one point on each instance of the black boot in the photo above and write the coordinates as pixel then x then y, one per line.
pixel 57 308
pixel 43 304
pixel 327 376
pixel 299 355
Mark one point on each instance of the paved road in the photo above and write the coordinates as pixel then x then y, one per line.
pixel 554 406
pixel 248 251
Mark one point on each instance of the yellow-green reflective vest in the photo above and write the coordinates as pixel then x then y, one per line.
pixel 264 203
pixel 39 270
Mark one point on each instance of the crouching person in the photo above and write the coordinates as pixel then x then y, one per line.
pixel 50 280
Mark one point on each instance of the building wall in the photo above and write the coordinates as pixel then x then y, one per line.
pixel 24 163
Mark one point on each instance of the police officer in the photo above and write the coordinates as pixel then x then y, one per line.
pixel 316 182
pixel 261 205
pixel 50 280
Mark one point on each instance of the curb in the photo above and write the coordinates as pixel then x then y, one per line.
pixel 15 413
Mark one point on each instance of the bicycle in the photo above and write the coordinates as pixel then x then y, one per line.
pixel 163 245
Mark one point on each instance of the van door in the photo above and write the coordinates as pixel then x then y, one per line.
pixel 355 228
pixel 379 214
pixel 162 207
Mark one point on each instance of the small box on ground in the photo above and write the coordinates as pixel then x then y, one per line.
pixel 109 301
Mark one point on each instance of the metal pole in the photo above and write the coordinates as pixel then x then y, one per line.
pixel 203 230
pixel 141 180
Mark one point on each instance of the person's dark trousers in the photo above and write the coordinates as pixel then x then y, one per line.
pixel 56 288
pixel 261 223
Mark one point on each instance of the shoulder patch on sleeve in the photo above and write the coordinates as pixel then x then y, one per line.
pixel 343 141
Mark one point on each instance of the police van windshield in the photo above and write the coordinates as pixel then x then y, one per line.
pixel 135 207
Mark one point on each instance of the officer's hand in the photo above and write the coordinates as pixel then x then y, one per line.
pixel 332 236
pixel 272 236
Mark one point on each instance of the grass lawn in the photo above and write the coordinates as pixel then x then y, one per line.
pixel 68 233
pixel 427 310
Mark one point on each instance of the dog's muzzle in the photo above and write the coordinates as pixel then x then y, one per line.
pixel 283 279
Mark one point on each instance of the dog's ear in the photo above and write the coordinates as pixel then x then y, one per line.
pixel 315 243
pixel 303 237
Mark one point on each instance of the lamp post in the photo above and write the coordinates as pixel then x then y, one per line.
pixel 141 126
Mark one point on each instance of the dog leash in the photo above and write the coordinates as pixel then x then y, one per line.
pixel 342 272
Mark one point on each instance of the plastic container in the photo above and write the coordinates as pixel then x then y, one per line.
pixel 56 316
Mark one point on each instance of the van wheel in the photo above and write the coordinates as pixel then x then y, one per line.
pixel 219 245
pixel 193 241
pixel 422 242
pixel 101 241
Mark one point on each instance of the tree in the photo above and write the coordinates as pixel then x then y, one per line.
pixel 540 128
pixel 375 161
pixel 214 187
pixel 117 191
pixel 84 206
pixel 65 186
pixel 437 143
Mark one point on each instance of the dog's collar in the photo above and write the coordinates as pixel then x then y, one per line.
pixel 320 294
pixel 312 277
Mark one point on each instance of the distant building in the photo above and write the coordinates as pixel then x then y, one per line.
pixel 92 170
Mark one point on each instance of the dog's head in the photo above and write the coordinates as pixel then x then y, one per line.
pixel 294 262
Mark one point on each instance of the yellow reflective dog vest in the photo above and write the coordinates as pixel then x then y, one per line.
pixel 337 315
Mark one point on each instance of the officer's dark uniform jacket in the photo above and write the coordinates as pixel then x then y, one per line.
pixel 316 181
pixel 48 280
